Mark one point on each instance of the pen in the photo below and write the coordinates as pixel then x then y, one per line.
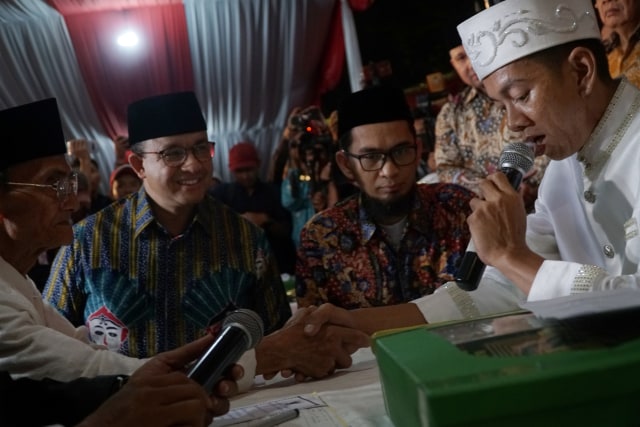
pixel 275 418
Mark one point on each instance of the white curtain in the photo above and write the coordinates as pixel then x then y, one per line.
pixel 351 47
pixel 253 61
pixel 38 62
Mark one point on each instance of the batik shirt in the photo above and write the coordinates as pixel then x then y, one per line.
pixel 141 291
pixel 624 63
pixel 471 133
pixel 346 259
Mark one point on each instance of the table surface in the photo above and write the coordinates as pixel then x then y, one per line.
pixel 353 396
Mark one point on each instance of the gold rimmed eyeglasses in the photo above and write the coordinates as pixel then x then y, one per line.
pixel 64 187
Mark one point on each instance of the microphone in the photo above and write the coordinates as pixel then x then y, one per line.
pixel 242 329
pixel 515 161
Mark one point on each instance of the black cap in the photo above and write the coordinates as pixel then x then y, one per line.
pixel 377 104
pixel 164 115
pixel 31 131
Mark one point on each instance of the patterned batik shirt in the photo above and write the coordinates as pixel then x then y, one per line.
pixel 471 133
pixel 141 291
pixel 346 259
pixel 625 63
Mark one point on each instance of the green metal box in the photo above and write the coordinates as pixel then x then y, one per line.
pixel 427 380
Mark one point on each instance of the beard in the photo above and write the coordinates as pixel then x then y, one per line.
pixel 382 212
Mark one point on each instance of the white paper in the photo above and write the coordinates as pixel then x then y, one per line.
pixel 584 303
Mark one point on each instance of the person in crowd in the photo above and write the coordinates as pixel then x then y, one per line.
pixel 278 162
pixel 157 394
pixel 121 150
pixel 621 34
pixel 471 133
pixel 621 20
pixel 397 240
pixel 258 202
pixel 307 175
pixel 341 187
pixel 583 235
pixel 80 156
pixel 124 181
pixel 424 125
pixel 84 198
pixel 169 261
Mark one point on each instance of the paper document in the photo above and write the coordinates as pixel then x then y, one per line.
pixel 260 410
pixel 585 303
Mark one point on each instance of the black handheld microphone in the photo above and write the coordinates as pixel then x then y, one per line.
pixel 242 329
pixel 515 161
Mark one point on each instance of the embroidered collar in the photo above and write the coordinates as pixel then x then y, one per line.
pixel 594 154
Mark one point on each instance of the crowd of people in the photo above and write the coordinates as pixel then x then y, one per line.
pixel 135 287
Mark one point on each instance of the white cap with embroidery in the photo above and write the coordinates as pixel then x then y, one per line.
pixel 513 29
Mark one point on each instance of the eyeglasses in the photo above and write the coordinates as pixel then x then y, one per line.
pixel 63 187
pixel 401 155
pixel 176 156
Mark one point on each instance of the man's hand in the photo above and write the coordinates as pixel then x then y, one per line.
pixel 498 226
pixel 160 394
pixel 498 222
pixel 292 350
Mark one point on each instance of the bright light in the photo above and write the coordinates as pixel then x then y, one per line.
pixel 128 39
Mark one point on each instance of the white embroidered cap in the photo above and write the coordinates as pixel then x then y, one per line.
pixel 513 29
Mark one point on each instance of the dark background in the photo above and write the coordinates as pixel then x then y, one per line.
pixel 413 35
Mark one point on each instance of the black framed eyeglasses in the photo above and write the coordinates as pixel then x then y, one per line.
pixel 64 187
pixel 401 155
pixel 176 156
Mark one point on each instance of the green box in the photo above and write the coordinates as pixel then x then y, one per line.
pixel 429 381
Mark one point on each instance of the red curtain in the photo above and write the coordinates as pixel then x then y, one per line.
pixel 334 55
pixel 114 75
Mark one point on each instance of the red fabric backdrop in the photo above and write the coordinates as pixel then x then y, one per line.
pixel 115 75
pixel 334 54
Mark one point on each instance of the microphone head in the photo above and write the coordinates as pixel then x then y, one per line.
pixel 517 155
pixel 249 321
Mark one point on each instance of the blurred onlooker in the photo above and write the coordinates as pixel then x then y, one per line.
pixel 341 187
pixel 259 202
pixel 424 124
pixel 621 27
pixel 84 199
pixel 281 153
pixel 121 148
pixel 79 153
pixel 124 181
pixel 98 200
pixel 471 133
pixel 305 188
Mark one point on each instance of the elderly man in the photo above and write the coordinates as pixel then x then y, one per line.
pixel 396 240
pixel 37 197
pixel 584 233
pixel 166 263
